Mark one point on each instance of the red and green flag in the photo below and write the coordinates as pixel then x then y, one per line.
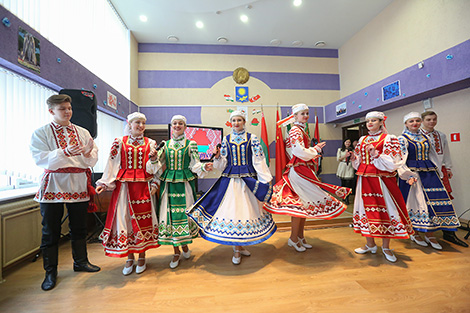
pixel 264 139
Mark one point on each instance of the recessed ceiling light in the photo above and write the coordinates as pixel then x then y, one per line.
pixel 173 38
pixel 297 43
pixel 199 24
pixel 244 18
pixel 297 2
pixel 275 42
pixel 143 18
pixel 222 39
pixel 320 43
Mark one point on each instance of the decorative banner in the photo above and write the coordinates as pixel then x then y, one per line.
pixel 341 109
pixel 253 99
pixel 112 100
pixel 228 98
pixel 230 110
pixel 255 122
pixel 244 110
pixel 241 94
pixel 29 51
pixel 228 124
pixel 255 111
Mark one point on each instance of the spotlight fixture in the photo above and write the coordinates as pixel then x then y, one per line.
pixel 199 24
pixel 275 42
pixel 320 43
pixel 222 39
pixel 172 38
pixel 297 2
pixel 244 18
pixel 143 18
pixel 297 43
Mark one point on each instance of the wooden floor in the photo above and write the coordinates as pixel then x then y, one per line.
pixel 328 278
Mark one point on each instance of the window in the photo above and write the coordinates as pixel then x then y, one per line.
pixel 23 109
pixel 81 29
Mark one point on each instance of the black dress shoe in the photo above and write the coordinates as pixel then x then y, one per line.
pixel 50 280
pixel 451 237
pixel 85 267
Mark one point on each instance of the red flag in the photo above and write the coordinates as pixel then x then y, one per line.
pixel 281 159
pixel 317 132
pixel 264 139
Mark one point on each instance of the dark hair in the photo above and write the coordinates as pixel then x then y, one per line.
pixel 343 147
pixel 54 100
pixel 426 113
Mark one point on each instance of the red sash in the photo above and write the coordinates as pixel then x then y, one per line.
pixel 91 191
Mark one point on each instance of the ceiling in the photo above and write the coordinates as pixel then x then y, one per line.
pixel 331 21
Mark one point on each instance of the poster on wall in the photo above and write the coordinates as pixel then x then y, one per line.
pixel 111 100
pixel 341 109
pixel 29 52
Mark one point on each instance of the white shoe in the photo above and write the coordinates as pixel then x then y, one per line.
pixel 391 258
pixel 418 242
pixel 372 250
pixel 243 252
pixel 236 260
pixel 176 263
pixel 435 245
pixel 128 270
pixel 140 269
pixel 187 254
pixel 290 243
pixel 304 243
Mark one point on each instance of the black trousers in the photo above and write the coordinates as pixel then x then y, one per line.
pixel 52 214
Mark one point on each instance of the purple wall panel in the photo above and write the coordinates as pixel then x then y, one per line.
pixel 206 79
pixel 242 50
pixel 445 72
pixel 163 114
pixel 68 74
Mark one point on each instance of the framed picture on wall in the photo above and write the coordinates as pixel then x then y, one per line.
pixel 29 51
pixel 391 91
pixel 341 109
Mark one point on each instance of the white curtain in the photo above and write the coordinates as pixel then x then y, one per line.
pixel 23 109
pixel 108 128
pixel 90 31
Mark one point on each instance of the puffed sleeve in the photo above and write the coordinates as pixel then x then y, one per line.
pixel 447 161
pixel 195 165
pixel 152 167
pixel 338 155
pixel 259 161
pixel 357 154
pixel 391 157
pixel 403 171
pixel 221 162
pixel 298 147
pixel 112 166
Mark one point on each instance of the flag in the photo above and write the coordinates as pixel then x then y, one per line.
pixel 317 132
pixel 264 139
pixel 281 159
pixel 228 98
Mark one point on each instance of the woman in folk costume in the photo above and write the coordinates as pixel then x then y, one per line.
pixel 379 208
pixel 427 200
pixel 231 212
pixel 178 189
pixel 299 193
pixel 131 224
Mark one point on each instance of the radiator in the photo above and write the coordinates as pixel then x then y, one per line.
pixel 20 229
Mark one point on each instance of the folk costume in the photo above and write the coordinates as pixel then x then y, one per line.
pixel 66 179
pixel 379 208
pixel 231 211
pixel 178 190
pixel 300 193
pixel 441 146
pixel 429 205
pixel 131 224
